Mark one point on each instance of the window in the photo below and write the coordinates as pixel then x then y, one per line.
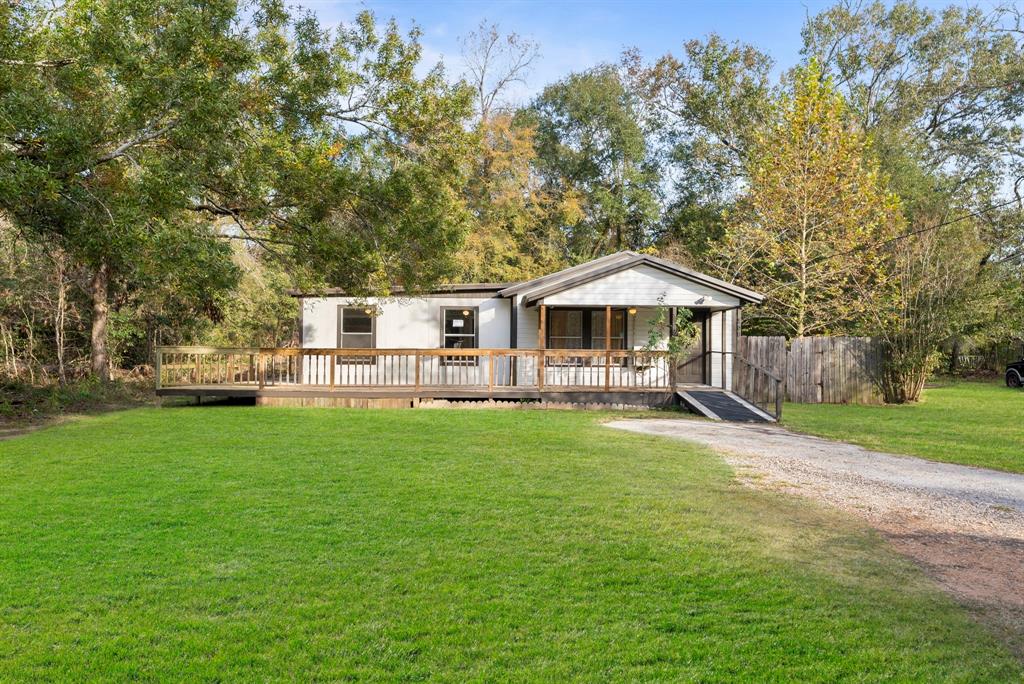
pixel 618 337
pixel 565 328
pixel 459 331
pixel 584 329
pixel 357 329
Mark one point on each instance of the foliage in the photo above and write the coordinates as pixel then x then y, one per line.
pixel 950 79
pixel 817 202
pixel 941 94
pixel 404 545
pixel 515 233
pixel 681 335
pixel 126 130
pixel 706 108
pixel 259 312
pixel 25 403
pixel 592 149
pixel 927 289
pixel 972 423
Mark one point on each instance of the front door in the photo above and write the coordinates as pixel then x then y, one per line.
pixel 690 368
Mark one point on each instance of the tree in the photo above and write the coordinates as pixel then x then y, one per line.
pixel 495 63
pixel 951 81
pixel 127 128
pixel 706 107
pixel 592 148
pixel 927 288
pixel 816 203
pixel 514 233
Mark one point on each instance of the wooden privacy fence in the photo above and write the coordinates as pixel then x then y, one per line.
pixel 818 370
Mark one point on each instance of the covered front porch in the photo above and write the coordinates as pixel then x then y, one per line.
pixel 577 334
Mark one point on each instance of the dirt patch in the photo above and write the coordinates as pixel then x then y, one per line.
pixel 963 526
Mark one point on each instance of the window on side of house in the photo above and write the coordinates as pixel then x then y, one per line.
pixel 357 329
pixel 459 331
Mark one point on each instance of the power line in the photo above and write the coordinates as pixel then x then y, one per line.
pixel 920 231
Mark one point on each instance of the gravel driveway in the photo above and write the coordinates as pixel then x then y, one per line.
pixel 963 525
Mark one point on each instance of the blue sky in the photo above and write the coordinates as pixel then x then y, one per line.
pixel 576 35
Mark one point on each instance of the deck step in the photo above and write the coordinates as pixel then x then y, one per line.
pixel 722 405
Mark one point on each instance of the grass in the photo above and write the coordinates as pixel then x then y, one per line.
pixel 235 543
pixel 973 423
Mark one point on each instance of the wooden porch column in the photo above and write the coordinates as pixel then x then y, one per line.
pixel 607 347
pixel 672 370
pixel 541 344
pixel 541 327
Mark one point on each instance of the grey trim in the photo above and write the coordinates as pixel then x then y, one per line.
pixel 516 288
pixel 513 324
pixel 439 291
pixel 629 260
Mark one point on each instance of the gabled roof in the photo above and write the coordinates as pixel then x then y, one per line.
pixel 534 290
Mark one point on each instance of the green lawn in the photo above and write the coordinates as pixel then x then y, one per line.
pixel 227 543
pixel 974 423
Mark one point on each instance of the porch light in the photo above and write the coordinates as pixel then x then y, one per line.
pixel 368 312
pixel 632 311
pixel 465 312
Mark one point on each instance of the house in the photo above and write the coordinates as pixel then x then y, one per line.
pixel 583 334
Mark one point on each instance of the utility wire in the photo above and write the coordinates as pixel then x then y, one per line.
pixel 919 231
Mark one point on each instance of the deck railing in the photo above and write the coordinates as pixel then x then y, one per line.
pixel 415 369
pixel 755 384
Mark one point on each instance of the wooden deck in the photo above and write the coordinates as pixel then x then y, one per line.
pixel 399 377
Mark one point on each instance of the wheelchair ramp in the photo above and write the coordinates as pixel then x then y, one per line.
pixel 722 405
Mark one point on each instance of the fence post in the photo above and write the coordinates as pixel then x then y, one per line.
pixel 490 373
pixel 778 400
pixel 262 370
pixel 417 360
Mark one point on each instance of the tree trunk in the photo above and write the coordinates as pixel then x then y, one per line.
pixel 60 319
pixel 100 313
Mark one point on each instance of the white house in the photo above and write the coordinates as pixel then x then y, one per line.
pixel 581 335
pixel 565 312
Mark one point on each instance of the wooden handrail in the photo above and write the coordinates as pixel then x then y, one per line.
pixel 489 369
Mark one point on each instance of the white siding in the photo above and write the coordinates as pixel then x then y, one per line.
pixel 526 325
pixel 405 323
pixel 642 286
pixel 722 341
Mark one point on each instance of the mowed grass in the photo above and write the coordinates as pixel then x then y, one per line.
pixel 973 423
pixel 233 543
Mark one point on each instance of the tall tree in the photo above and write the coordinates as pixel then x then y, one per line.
pixel 127 127
pixel 706 106
pixel 941 94
pixel 516 220
pixel 591 145
pixel 952 79
pixel 816 204
pixel 495 63
pixel 513 234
